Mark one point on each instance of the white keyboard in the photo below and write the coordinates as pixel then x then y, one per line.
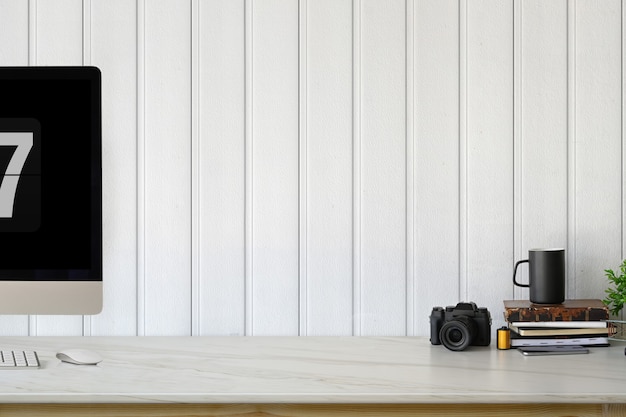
pixel 19 359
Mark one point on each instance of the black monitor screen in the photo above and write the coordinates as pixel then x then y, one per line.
pixel 50 165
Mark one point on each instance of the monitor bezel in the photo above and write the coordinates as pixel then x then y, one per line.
pixel 49 294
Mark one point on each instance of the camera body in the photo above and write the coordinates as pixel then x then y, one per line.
pixel 460 326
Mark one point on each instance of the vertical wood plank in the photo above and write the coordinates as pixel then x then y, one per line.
pixel 461 290
pixel 410 199
pixel 221 169
pixel 518 249
pixel 14 33
pixel 275 182
pixel 329 167
pixel 167 168
pixel 141 168
pixel 489 153
pixel 14 41
pixel 436 157
pixel 303 170
pixel 114 48
pixel 195 169
pixel 383 164
pixel 59 41
pixel 248 200
pixel 598 144
pixel 623 103
pixel 542 169
pixel 60 32
pixel 356 168
pixel 571 149
pixel 87 52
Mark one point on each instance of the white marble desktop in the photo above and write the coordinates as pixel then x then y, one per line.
pixel 308 370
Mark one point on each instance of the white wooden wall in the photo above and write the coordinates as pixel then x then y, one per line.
pixel 338 167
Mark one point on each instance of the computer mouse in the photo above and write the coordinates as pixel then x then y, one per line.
pixel 79 356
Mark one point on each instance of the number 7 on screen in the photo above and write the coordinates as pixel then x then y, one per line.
pixel 23 143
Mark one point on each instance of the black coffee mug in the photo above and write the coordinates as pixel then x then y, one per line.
pixel 546 275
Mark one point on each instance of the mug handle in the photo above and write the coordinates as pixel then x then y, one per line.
pixel 515 272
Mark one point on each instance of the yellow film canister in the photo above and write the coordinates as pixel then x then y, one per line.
pixel 504 338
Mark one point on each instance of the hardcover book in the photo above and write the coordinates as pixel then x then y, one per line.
pixel 559 324
pixel 569 310
pixel 577 341
pixel 570 331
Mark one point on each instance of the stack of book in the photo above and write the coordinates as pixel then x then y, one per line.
pixel 574 322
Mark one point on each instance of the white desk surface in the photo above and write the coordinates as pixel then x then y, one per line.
pixel 308 370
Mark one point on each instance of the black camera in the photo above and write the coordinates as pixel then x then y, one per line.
pixel 461 326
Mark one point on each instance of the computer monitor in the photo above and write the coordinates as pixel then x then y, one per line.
pixel 51 190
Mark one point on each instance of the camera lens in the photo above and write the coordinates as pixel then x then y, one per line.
pixel 458 334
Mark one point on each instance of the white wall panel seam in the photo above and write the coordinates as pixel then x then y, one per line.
pixel 302 168
pixel 141 168
pixel 462 289
pixel 86 32
pixel 87 331
pixel 623 150
pixel 571 149
pixel 411 282
pixel 249 183
pixel 196 253
pixel 622 136
pixel 32 60
pixel 32 32
pixel 518 214
pixel 356 163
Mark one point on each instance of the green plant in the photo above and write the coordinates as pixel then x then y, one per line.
pixel 616 295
